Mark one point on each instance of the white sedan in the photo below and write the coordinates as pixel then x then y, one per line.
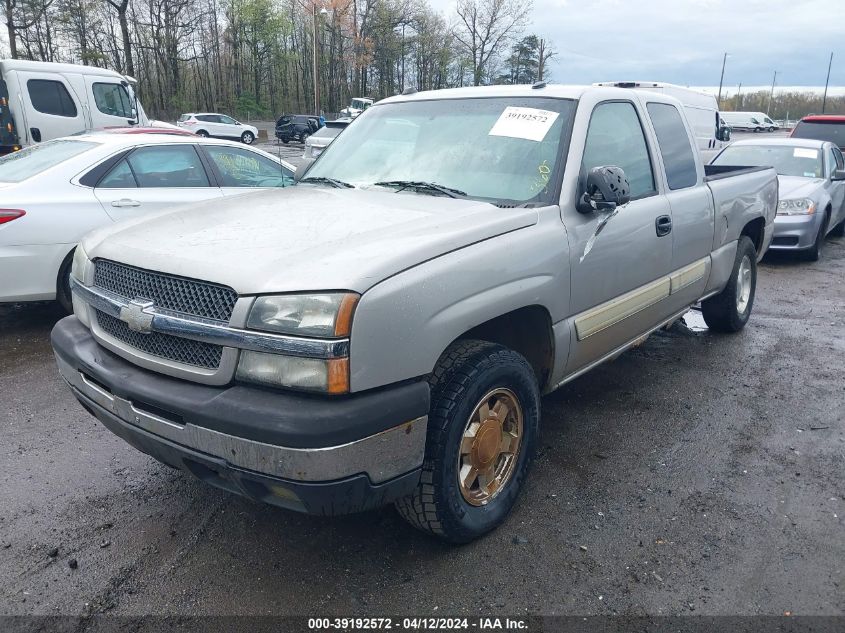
pixel 53 193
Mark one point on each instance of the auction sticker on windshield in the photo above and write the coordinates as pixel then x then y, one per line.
pixel 528 123
pixel 801 152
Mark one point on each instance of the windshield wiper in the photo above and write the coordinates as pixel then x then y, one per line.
pixel 419 185
pixel 322 180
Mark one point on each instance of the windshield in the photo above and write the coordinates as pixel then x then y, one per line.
pixel 326 133
pixel 821 131
pixel 787 160
pixel 495 149
pixel 38 158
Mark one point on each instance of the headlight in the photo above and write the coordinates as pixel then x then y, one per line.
pixel 80 262
pixel 319 315
pixel 798 206
pixel 309 374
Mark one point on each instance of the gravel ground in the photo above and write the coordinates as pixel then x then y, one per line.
pixel 696 474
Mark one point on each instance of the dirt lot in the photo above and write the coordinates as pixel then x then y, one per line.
pixel 697 474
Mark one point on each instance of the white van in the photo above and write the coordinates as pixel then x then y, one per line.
pixel 752 121
pixel 701 109
pixel 40 101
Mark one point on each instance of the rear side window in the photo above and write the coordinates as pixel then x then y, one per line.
pixel 167 166
pixel 51 97
pixel 112 99
pixel 35 159
pixel 615 137
pixel 675 148
pixel 184 117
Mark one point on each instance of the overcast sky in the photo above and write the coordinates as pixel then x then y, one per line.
pixel 682 41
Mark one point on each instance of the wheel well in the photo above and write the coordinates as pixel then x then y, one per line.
pixel 527 331
pixel 755 230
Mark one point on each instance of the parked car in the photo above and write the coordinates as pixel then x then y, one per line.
pixel 824 127
pixel 384 330
pixel 40 101
pixel 750 121
pixel 146 130
pixel 711 132
pixel 217 126
pixel 356 106
pixel 811 177
pixel 319 140
pixel 296 127
pixel 52 193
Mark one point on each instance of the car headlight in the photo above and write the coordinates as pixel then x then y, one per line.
pixel 319 315
pixel 326 315
pixel 80 263
pixel 797 206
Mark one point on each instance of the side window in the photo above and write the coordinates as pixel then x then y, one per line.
pixel 243 168
pixel 615 137
pixel 168 166
pixel 840 160
pixel 112 99
pixel 51 97
pixel 227 120
pixel 673 140
pixel 120 177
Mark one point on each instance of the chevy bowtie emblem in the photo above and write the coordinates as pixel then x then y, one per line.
pixel 135 315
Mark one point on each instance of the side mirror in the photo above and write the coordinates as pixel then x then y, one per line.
pixel 724 133
pixel 607 188
pixel 839 174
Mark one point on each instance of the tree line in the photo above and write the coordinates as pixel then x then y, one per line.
pixel 783 105
pixel 259 58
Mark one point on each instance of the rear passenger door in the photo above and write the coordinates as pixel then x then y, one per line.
pixel 53 108
pixel 153 178
pixel 690 202
pixel 618 262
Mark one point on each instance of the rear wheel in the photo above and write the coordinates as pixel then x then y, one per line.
pixel 482 431
pixel 729 310
pixel 247 138
pixel 63 293
pixel 202 133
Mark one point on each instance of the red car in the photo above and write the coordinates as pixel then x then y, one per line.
pixel 147 130
pixel 822 127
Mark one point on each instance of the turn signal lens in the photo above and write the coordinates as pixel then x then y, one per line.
pixel 7 215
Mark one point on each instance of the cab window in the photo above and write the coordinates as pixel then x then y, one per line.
pixel 673 141
pixel 51 97
pixel 112 99
pixel 615 137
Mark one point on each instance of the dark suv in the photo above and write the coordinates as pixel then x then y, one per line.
pixel 296 127
pixel 823 127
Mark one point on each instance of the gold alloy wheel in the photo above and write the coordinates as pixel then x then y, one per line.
pixel 490 446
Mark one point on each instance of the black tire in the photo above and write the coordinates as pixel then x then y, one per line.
pixel 63 294
pixel 284 140
pixel 722 312
pixel 465 373
pixel 838 230
pixel 771 129
pixel 814 253
pixel 303 137
pixel 202 133
pixel 247 138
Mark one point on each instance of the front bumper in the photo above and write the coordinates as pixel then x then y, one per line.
pixel 796 232
pixel 312 454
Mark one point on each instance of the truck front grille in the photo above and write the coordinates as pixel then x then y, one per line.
pixel 188 296
pixel 175 348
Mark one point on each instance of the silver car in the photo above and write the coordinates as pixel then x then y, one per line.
pixel 811 179
pixel 319 140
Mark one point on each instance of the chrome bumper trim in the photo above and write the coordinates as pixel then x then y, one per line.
pixel 382 456
pixel 209 331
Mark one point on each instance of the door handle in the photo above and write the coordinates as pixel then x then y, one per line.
pixel 663 225
pixel 125 202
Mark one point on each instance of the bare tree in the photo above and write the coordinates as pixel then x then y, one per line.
pixel 485 26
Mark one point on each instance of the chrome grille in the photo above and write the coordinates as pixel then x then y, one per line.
pixel 180 350
pixel 169 292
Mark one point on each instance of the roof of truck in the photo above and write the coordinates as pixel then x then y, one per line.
pixel 52 67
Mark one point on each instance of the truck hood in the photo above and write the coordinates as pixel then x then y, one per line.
pixel 797 187
pixel 304 237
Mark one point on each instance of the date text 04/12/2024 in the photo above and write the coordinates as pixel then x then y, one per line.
pixel 418 624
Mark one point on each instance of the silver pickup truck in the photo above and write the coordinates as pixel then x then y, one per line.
pixel 383 331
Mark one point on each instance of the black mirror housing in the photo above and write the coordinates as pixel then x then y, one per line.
pixel 724 134
pixel 607 188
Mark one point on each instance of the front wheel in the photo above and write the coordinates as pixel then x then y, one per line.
pixel 304 137
pixel 482 432
pixel 814 253
pixel 838 230
pixel 247 138
pixel 63 292
pixel 729 310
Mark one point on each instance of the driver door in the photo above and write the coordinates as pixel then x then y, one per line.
pixel 620 261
